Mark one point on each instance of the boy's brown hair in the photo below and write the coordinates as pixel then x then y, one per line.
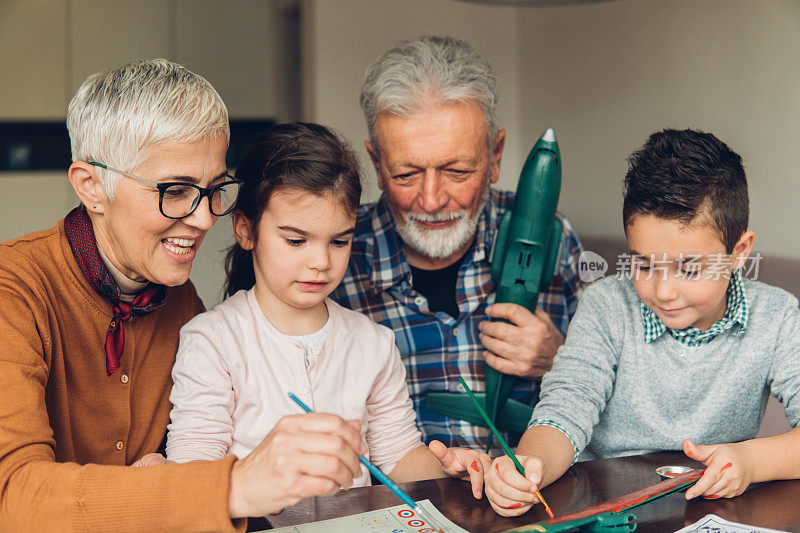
pixel 680 174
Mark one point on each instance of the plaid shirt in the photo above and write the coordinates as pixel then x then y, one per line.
pixel 435 347
pixel 736 313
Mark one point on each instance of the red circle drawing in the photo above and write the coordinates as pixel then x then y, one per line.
pixel 416 523
pixel 405 513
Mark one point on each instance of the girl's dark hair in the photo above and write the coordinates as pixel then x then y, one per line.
pixel 300 156
pixel 679 174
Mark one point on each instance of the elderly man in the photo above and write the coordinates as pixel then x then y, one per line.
pixel 90 312
pixel 420 256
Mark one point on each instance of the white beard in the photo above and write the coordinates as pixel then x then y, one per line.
pixel 440 243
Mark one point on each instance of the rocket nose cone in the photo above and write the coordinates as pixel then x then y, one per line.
pixel 549 135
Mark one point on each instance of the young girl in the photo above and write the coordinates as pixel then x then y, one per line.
pixel 278 332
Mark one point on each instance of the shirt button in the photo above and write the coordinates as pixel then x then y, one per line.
pixel 419 300
pixel 683 352
pixel 124 378
pixel 464 433
pixel 120 445
pixel 455 332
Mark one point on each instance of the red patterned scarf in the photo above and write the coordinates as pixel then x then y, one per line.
pixel 80 235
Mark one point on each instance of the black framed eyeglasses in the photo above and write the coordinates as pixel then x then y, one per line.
pixel 178 200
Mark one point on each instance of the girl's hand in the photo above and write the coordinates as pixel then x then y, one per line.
pixel 509 492
pixel 728 472
pixel 463 462
pixel 152 459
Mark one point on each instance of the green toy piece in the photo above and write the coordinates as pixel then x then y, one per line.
pixel 613 516
pixel 608 522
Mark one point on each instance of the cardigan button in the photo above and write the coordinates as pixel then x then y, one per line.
pixel 124 378
pixel 120 445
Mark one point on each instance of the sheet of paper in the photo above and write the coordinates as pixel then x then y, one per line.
pixel 711 523
pixel 398 519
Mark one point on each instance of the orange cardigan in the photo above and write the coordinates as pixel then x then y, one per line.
pixel 67 430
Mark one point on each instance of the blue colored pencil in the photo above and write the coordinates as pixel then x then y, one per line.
pixel 383 478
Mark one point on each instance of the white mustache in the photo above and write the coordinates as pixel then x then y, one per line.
pixel 438 217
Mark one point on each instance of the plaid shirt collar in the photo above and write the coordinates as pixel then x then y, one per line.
pixel 389 264
pixel 737 312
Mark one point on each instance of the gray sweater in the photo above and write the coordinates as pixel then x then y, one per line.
pixel 613 394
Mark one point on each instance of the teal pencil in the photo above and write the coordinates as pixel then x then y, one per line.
pixel 383 478
pixel 503 442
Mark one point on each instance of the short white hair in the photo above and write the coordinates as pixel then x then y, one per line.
pixel 428 71
pixel 119 114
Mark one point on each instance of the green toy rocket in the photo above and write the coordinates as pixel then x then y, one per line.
pixel 523 262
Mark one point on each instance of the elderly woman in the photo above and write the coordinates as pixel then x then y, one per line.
pixel 89 317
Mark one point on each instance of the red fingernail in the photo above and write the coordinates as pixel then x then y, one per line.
pixel 689 453
pixel 727 465
pixel 512 506
pixel 712 497
pixel 497 467
pixel 474 465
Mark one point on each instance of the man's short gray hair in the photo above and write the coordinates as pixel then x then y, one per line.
pixel 429 70
pixel 118 115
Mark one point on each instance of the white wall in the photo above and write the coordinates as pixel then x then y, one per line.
pixel 345 36
pixel 35 59
pixel 608 75
pixel 33 201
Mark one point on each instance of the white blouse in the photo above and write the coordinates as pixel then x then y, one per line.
pixel 234 370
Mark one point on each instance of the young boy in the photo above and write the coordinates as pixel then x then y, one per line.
pixel 682 351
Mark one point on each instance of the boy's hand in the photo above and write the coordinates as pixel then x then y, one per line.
pixel 727 473
pixel 510 493
pixel 463 462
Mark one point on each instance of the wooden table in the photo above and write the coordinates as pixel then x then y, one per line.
pixel 773 505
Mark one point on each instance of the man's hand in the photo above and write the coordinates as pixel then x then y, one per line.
pixel 304 455
pixel 464 463
pixel 525 347
pixel 509 492
pixel 728 471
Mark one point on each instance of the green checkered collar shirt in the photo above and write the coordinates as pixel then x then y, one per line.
pixel 735 313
